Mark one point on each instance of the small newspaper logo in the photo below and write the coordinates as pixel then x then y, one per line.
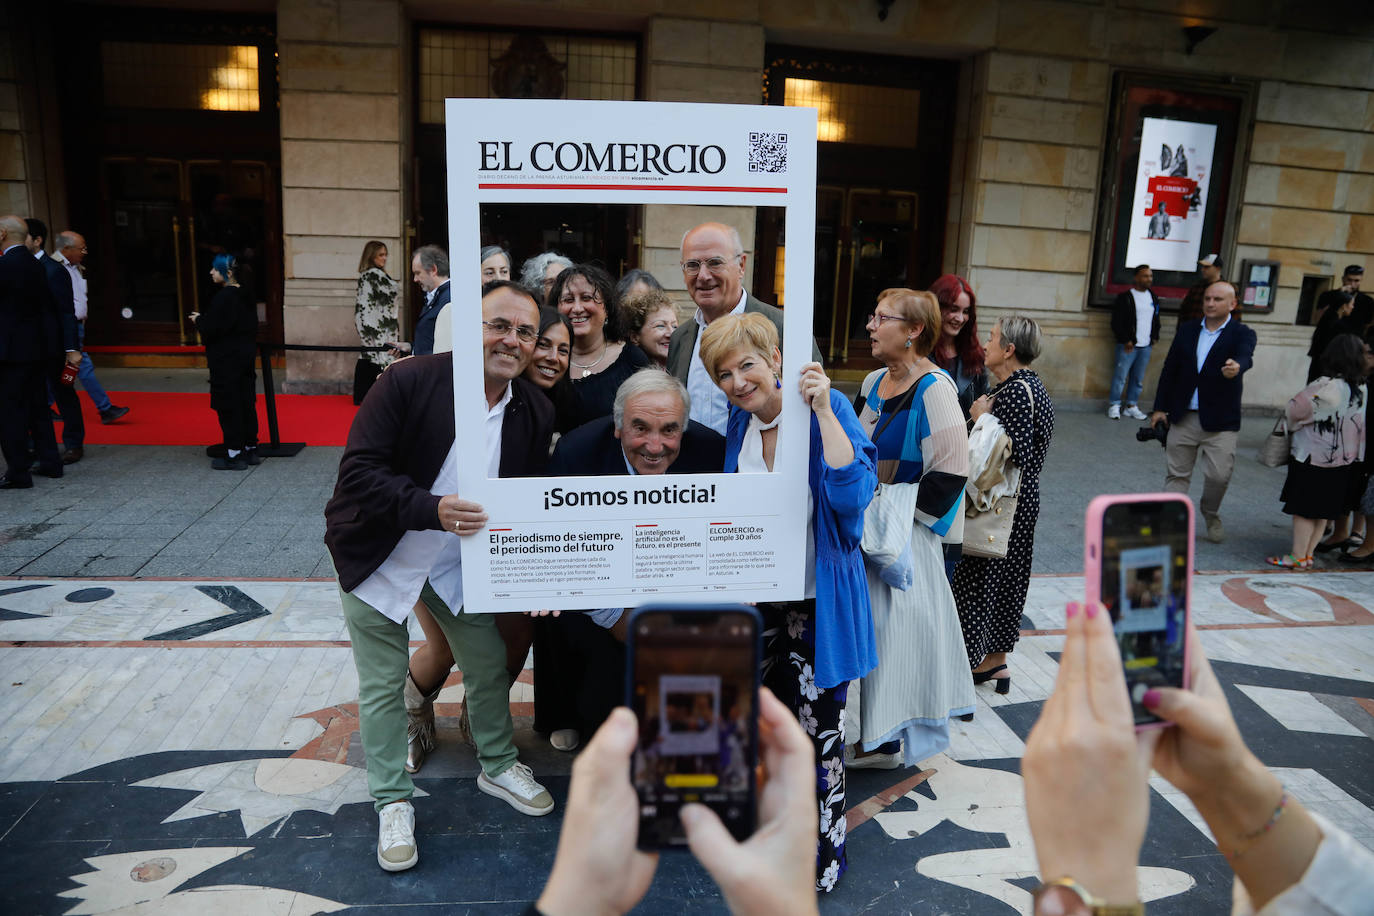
pixel 767 152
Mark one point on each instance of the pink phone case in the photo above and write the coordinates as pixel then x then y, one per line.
pixel 1092 560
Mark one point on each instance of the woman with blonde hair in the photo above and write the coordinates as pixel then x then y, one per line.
pixel 375 315
pixel 814 647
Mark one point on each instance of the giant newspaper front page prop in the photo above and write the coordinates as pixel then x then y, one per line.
pixel 589 542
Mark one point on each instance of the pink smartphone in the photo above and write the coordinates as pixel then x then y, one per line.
pixel 1138 563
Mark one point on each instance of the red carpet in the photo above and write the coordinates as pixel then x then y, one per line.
pixel 166 418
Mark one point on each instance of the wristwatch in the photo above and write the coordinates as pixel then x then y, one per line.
pixel 1073 899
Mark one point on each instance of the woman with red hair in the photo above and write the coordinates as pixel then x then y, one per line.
pixel 958 351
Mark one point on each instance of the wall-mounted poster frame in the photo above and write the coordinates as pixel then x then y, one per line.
pixel 1258 280
pixel 1171 181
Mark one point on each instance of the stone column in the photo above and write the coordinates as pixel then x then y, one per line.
pixel 342 126
pixel 691 60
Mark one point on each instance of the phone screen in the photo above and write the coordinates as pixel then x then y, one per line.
pixel 1145 588
pixel 693 684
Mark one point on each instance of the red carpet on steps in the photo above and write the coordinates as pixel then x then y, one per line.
pixel 175 418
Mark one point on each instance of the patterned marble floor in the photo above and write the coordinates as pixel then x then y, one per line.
pixel 170 745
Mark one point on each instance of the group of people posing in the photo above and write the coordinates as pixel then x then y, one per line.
pixel 587 375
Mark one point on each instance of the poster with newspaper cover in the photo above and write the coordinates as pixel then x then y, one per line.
pixel 1172 181
pixel 619 541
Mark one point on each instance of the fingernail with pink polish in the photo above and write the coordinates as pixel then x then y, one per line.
pixel 1151 697
pixel 1072 610
pixel 1092 610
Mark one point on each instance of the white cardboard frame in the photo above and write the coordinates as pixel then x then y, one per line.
pixel 746 539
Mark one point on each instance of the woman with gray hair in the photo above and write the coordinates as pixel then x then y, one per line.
pixel 991 593
pixel 496 263
pixel 538 273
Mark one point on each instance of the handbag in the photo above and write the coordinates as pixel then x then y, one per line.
pixel 1277 446
pixel 365 372
pixel 987 530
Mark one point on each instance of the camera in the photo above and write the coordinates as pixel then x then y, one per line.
pixel 1147 433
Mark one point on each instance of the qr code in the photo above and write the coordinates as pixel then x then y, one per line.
pixel 767 152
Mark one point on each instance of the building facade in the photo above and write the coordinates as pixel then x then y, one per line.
pixel 1004 140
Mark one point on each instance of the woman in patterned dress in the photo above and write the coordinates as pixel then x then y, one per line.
pixel 375 312
pixel 991 593
pixel 911 410
pixel 812 648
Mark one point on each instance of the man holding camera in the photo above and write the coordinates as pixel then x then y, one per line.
pixel 1198 400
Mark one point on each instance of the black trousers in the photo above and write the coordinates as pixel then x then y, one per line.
pixel 579 673
pixel 69 405
pixel 234 397
pixel 24 412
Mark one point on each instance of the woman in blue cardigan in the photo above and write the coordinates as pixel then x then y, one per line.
pixel 812 648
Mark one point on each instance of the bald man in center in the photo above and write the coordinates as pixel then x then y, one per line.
pixel 713 266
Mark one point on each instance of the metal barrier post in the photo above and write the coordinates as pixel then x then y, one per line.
pixel 275 448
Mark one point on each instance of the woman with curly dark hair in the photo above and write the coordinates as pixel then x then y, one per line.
pixel 601 357
pixel 958 351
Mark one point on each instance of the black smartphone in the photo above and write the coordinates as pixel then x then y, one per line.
pixel 692 679
pixel 1138 564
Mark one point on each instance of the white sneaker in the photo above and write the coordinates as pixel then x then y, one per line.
pixel 1114 412
pixel 396 849
pixel 516 787
pixel 1134 412
pixel 855 761
pixel 565 739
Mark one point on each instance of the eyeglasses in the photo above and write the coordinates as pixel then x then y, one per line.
pixel 881 318
pixel 713 265
pixel 501 328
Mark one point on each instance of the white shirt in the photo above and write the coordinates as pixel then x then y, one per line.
pixel 447 573
pixel 429 296
pixel 1144 316
pixel 710 407
pixel 1205 340
pixel 431 554
pixel 78 285
pixel 751 462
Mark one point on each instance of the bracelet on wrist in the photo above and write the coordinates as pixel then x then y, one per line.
pixel 1073 897
pixel 1247 841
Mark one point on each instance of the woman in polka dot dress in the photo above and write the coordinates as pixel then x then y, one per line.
pixel 991 593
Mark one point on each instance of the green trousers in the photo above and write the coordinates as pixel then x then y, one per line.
pixel 381 653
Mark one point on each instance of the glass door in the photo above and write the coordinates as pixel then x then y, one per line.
pixel 146 268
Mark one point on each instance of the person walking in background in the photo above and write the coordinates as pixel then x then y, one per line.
pixel 1327 421
pixel 64 338
pixel 991 592
pixel 911 411
pixel 1135 325
pixel 812 648
pixel 1199 399
pixel 429 270
pixel 538 273
pixel 375 313
pixel 229 328
pixel 24 306
pixel 71 253
pixel 957 351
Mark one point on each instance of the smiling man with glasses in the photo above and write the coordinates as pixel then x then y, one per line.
pixel 392 528
pixel 713 264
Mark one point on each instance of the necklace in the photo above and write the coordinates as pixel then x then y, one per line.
pixel 588 367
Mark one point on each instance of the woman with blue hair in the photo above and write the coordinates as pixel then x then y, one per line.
pixel 229 330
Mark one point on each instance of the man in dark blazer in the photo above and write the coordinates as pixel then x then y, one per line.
pixel 429 268
pixel 713 265
pixel 579 663
pixel 64 343
pixel 1199 400
pixel 1135 325
pixel 390 530
pixel 26 308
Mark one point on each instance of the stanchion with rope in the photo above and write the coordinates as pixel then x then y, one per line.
pixel 275 448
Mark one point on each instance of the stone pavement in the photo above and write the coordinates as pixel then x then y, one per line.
pixel 178 714
pixel 161 511
pixel 175 745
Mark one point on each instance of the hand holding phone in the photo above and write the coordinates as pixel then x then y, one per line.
pixel 692 680
pixel 1138 564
